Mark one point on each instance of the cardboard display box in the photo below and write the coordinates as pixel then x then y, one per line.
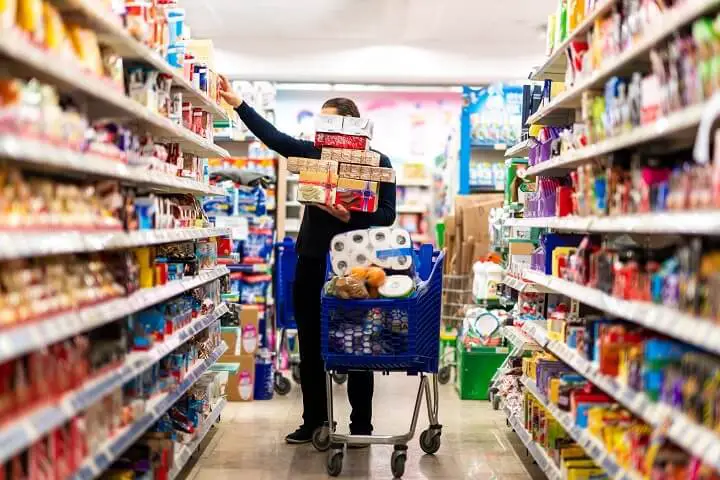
pixel 241 377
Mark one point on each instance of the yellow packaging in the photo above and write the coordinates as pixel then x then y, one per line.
pixel 322 178
pixel 352 184
pixel 30 19
pixel 56 37
pixel 573 452
pixel 556 254
pixel 8 11
pixel 320 194
pixel 584 473
pixel 87 49
pixel 575 15
pixel 554 391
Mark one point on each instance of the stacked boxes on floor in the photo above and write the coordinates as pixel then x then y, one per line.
pixel 348 173
pixel 239 359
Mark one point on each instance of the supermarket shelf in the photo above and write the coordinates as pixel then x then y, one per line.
pixel 155 408
pixel 411 209
pixel 681 122
pixel 69 76
pixel 184 452
pixel 556 64
pixel 49 157
pixel 24 432
pixel 694 438
pixel 681 223
pixel 668 321
pixel 519 150
pixel 543 460
pixel 524 285
pixel 624 63
pixel 414 183
pixel 592 446
pixel 26 338
pixel 519 339
pixel 111 32
pixel 29 244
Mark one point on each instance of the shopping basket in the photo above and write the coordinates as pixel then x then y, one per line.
pixel 285 314
pixel 387 335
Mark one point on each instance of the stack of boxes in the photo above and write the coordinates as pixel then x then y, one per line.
pixel 238 360
pixel 347 173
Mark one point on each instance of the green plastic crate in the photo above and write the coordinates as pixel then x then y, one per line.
pixel 475 370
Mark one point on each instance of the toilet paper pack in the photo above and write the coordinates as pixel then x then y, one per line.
pixel 385 247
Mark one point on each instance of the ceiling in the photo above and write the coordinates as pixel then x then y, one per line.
pixel 377 41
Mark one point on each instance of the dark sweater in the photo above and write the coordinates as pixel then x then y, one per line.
pixel 319 227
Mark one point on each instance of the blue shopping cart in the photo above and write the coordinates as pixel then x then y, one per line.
pixel 387 335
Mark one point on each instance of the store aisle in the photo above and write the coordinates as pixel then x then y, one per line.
pixel 476 442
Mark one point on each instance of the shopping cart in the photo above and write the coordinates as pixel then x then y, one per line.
pixel 398 335
pixel 285 318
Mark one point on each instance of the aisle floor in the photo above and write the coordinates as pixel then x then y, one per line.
pixel 477 444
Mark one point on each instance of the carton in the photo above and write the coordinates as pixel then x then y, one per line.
pixel 241 377
pixel 250 326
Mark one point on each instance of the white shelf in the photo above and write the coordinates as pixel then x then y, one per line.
pixel 26 338
pixel 419 209
pixel 668 321
pixel 554 67
pixel 592 446
pixel 522 285
pixel 701 222
pixel 519 339
pixel 625 62
pixel 49 157
pixel 519 150
pixel 29 244
pixel 108 452
pixel 183 452
pixel 676 123
pixel 543 460
pixel 69 76
pixel 23 432
pixel 111 32
pixel 687 434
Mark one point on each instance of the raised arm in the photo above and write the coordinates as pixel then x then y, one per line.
pixel 265 131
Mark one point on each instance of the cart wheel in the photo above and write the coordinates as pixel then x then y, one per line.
pixel 496 402
pixel 340 378
pixel 335 463
pixel 296 374
pixel 444 374
pixel 282 385
pixel 397 463
pixel 430 441
pixel 321 439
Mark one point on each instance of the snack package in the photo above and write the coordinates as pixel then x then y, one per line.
pixel 86 47
pixel 357 195
pixel 361 172
pixel 360 157
pixel 339 140
pixel 318 182
pixel 30 20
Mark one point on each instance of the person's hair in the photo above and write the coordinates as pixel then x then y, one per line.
pixel 344 106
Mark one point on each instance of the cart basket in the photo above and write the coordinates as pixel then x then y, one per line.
pixel 387 334
pixel 285 280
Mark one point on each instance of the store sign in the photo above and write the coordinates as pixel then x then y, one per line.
pixel 494 114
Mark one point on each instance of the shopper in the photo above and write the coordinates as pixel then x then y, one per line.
pixel 319 225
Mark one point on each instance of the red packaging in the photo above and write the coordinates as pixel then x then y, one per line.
pixel 224 247
pixel 339 140
pixel 40 461
pixel 60 453
pixel 7 394
pixel 564 202
pixel 187 118
pixel 161 274
pixel 78 447
pixel 197 121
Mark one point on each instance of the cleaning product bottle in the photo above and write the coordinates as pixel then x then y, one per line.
pixel 487 275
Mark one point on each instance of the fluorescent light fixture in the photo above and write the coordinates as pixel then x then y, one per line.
pixel 311 87
pixel 359 87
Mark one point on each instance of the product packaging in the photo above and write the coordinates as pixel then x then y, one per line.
pixel 339 140
pixel 360 157
pixel 318 182
pixel 389 248
pixel 361 172
pixel 357 195
pixel 353 126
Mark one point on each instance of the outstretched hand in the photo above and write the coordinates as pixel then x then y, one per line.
pixel 226 92
pixel 337 211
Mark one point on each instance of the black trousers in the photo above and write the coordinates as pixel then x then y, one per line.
pixel 309 280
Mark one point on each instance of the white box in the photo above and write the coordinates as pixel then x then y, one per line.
pixel 329 124
pixel 362 127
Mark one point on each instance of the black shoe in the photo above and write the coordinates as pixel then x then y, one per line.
pixel 301 435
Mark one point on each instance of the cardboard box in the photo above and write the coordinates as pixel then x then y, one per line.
pixel 354 126
pixel 232 337
pixel 241 377
pixel 250 326
pixel 362 172
pixel 360 157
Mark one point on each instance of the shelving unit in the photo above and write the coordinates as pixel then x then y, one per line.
pixel 567 102
pixel 522 285
pixel 185 452
pixel 544 462
pixel 100 98
pixel 519 150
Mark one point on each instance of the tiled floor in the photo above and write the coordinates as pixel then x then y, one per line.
pixel 476 443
